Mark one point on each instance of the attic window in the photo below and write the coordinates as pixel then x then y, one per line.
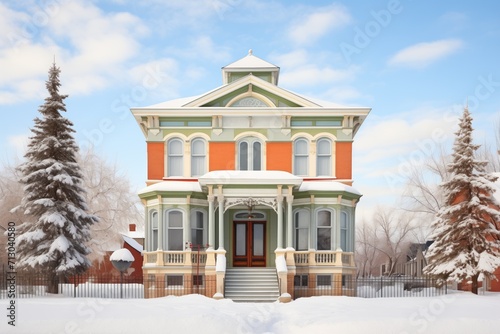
pixel 315 122
pixel 249 102
pixel 180 123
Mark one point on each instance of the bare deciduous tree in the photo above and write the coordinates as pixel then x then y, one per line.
pixel 109 196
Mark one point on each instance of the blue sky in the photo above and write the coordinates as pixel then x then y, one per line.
pixel 414 63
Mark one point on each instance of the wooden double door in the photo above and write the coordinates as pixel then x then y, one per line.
pixel 249 244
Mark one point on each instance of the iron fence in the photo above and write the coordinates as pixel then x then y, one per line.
pixel 88 285
pixel 29 285
pixel 379 287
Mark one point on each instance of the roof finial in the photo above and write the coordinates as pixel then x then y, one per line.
pixel 250 52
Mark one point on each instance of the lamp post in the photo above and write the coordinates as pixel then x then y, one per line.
pixel 122 260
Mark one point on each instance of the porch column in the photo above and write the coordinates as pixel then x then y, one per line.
pixel 337 226
pixel 289 219
pixel 279 199
pixel 160 224
pixel 220 199
pixel 211 222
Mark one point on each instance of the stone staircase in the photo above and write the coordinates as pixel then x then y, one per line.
pixel 251 285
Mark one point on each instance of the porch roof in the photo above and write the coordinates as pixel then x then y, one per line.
pixel 327 186
pixel 181 186
pixel 238 177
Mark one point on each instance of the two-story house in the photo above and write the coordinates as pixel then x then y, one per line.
pixel 248 180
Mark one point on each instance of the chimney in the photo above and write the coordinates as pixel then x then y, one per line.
pixel 131 227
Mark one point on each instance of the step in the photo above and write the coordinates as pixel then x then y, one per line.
pixel 251 285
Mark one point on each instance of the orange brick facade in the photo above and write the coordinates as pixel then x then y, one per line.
pixel 222 155
pixel 156 161
pixel 343 160
pixel 279 156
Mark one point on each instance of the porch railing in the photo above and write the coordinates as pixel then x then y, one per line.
pixel 323 258
pixel 174 258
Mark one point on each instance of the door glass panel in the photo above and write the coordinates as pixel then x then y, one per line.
pixel 241 239
pixel 258 239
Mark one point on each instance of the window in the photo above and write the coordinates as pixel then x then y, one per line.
pixel 247 215
pixel 316 122
pixel 323 157
pixel 324 227
pixel 301 223
pixel 154 231
pixel 301 280
pixel 174 230
pixel 250 154
pixel 343 231
pixel 174 280
pixel 301 157
pixel 324 280
pixel 198 154
pixel 197 224
pixel 175 157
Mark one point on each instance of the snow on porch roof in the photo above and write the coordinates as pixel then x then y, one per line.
pixel 188 186
pixel 327 186
pixel 269 177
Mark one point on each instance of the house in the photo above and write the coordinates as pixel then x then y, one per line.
pixel 103 271
pixel 248 180
pixel 415 259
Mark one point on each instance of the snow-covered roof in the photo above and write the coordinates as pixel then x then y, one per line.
pixel 134 244
pixel 175 103
pixel 135 234
pixel 249 177
pixel 181 102
pixel 172 186
pixel 327 186
pixel 251 62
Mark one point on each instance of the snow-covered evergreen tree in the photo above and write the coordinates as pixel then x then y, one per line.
pixel 54 239
pixel 467 227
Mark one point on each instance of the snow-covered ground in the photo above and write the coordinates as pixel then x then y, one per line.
pixel 457 312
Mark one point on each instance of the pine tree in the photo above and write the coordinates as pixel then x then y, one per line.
pixel 53 241
pixel 466 229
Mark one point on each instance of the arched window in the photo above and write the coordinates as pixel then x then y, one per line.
pixel 197 228
pixel 173 230
pixel 301 157
pixel 198 157
pixel 301 224
pixel 175 151
pixel 249 154
pixel 324 230
pixel 323 157
pixel 154 231
pixel 343 231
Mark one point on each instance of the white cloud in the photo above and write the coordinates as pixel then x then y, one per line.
pixel 312 75
pixel 158 77
pixel 91 47
pixel 424 54
pixel 292 59
pixel 342 94
pixel 310 28
pixel 18 143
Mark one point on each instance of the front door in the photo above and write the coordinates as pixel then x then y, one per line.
pixel 249 248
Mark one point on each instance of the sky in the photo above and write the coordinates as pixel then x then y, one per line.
pixel 415 63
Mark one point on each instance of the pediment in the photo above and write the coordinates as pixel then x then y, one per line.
pixel 250 92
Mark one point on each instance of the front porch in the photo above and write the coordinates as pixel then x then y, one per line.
pixel 204 271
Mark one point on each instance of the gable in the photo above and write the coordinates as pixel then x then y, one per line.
pixel 251 91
